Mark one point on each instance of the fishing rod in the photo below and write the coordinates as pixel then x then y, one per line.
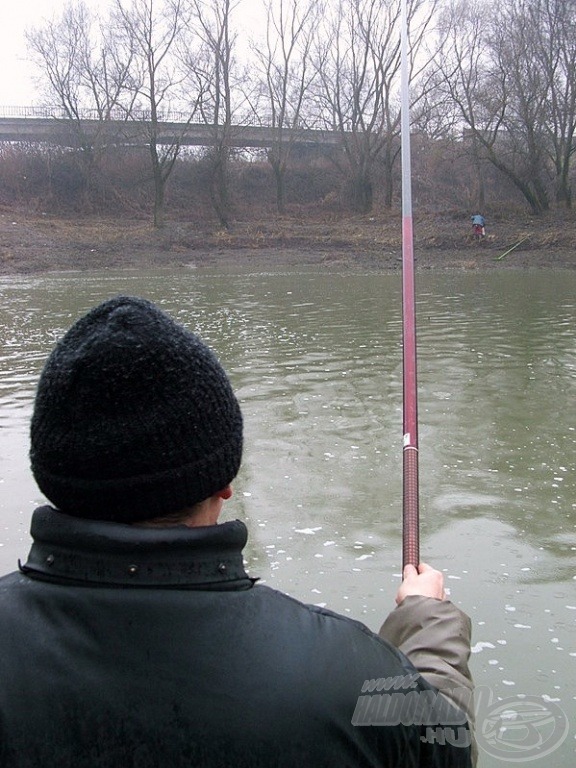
pixel 410 496
pixel 513 248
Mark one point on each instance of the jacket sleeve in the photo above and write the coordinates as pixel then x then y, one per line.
pixel 435 635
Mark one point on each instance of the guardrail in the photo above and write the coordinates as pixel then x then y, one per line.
pixel 59 113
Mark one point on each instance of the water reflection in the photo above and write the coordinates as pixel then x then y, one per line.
pixel 316 361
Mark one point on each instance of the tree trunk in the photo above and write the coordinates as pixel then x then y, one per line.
pixel 158 203
pixel 564 189
pixel 159 186
pixel 279 169
pixel 219 193
pixel 362 194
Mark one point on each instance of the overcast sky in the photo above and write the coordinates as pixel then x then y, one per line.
pixel 17 87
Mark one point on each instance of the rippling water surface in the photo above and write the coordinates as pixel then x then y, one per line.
pixel 316 361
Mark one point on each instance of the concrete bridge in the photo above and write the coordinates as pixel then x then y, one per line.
pixel 36 126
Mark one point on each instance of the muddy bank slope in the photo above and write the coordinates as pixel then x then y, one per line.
pixel 36 243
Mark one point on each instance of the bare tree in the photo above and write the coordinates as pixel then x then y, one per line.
pixel 358 60
pixel 524 144
pixel 213 70
pixel 554 30
pixel 151 31
pixel 500 90
pixel 85 80
pixel 464 80
pixel 288 75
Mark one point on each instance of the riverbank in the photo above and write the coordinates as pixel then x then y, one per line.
pixel 32 243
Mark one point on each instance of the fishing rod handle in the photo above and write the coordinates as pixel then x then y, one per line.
pixel 410 509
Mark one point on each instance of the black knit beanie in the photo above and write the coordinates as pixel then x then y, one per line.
pixel 134 417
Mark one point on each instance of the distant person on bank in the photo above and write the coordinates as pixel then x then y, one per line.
pixel 479 226
pixel 133 637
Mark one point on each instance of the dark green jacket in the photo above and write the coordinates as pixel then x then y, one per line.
pixel 128 647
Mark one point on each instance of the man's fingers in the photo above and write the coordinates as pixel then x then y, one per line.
pixel 409 570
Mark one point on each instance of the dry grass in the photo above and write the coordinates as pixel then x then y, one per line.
pixel 36 242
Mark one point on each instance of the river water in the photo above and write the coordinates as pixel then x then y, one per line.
pixel 315 358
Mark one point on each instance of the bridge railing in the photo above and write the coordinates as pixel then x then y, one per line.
pixel 26 112
pixel 59 113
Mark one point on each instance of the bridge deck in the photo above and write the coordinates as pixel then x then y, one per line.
pixel 73 134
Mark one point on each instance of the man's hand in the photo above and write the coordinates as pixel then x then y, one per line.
pixel 424 580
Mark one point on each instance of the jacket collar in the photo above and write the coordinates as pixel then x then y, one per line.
pixel 91 552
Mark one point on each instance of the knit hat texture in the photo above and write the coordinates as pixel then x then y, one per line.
pixel 134 417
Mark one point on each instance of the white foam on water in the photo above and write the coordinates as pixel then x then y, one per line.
pixel 308 531
pixel 479 647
